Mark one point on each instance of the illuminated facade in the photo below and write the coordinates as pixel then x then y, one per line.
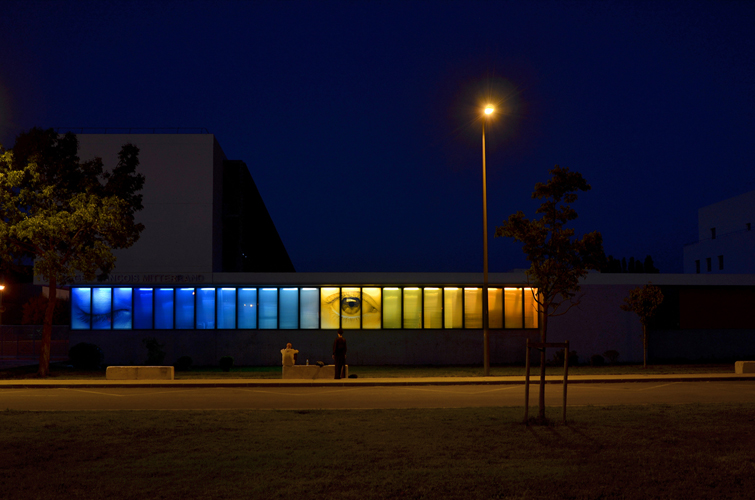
pixel 300 308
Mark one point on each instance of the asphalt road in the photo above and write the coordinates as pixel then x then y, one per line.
pixel 462 396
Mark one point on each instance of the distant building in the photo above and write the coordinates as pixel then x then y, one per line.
pixel 726 239
pixel 202 212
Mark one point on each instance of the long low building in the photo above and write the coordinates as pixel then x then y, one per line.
pixel 419 319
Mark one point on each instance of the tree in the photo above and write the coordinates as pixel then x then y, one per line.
pixel 558 260
pixel 66 214
pixel 650 266
pixel 643 302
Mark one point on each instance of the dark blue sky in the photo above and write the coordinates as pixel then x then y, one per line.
pixel 358 120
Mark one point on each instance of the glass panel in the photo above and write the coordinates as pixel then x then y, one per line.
pixel 227 308
pixel 371 308
pixel 351 308
pixel 269 308
pixel 391 308
pixel 330 302
pixel 248 308
pixel 452 308
pixel 206 309
pixel 122 308
pixel 433 308
pixel 310 306
pixel 164 308
pixel 185 308
pixel 513 306
pixel 289 308
pixel 473 308
pixel 495 308
pixel 530 308
pixel 143 309
pixel 81 307
pixel 101 308
pixel 412 308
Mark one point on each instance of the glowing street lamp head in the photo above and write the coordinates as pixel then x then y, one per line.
pixel 489 109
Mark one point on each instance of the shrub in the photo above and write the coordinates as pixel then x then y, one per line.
pixel 155 353
pixel 84 356
pixel 183 364
pixel 597 360
pixel 226 362
pixel 611 355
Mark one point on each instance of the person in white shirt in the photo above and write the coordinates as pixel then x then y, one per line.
pixel 289 355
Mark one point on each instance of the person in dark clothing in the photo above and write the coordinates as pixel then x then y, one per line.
pixel 339 354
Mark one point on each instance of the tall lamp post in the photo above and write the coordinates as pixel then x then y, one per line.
pixel 485 332
pixel 2 287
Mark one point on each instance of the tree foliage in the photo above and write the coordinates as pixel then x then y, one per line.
pixel 644 302
pixel 66 214
pixel 558 259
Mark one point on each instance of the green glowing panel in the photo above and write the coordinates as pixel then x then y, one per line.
pixel 433 308
pixel 330 303
pixel 371 308
pixel 495 308
pixel 512 299
pixel 473 308
pixel 391 308
pixel 452 310
pixel 412 308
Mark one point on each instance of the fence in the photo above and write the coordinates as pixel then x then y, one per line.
pixel 25 341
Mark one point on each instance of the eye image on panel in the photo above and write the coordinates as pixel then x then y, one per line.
pixel 371 308
pixel 81 304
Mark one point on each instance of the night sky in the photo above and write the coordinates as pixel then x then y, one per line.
pixel 359 121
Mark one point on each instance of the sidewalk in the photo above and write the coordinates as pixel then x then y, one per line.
pixel 51 383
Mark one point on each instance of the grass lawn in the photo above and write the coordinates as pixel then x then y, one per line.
pixel 61 371
pixel 638 452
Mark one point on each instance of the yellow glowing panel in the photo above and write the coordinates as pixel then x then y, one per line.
pixel 512 298
pixel 412 308
pixel 530 308
pixel 473 308
pixel 495 308
pixel 351 308
pixel 433 306
pixel 371 308
pixel 452 308
pixel 330 304
pixel 391 308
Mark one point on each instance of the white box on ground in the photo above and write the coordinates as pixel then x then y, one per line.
pixel 312 372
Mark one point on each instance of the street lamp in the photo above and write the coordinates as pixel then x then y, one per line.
pixel 2 287
pixel 489 109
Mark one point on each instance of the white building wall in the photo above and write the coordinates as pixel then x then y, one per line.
pixel 732 222
pixel 181 172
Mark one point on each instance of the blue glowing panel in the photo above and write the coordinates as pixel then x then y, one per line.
pixel 185 308
pixel 101 308
pixel 81 307
pixel 289 308
pixel 310 308
pixel 122 308
pixel 206 308
pixel 247 308
pixel 164 308
pixel 227 308
pixel 143 309
pixel 268 308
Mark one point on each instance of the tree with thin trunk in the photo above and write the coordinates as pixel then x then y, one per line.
pixel 643 301
pixel 65 214
pixel 558 260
